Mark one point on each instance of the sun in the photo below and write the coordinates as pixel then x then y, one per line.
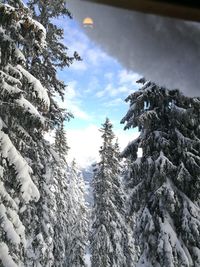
pixel 88 22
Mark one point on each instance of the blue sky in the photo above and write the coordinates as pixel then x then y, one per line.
pixel 97 87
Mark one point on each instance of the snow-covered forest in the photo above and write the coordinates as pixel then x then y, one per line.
pixel 142 211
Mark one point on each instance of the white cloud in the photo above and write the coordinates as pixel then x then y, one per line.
pixel 70 90
pixel 79 65
pixel 85 143
pixel 93 85
pixel 113 91
pixel 72 102
pixel 125 83
pixel 100 93
pixel 128 77
pixel 91 55
pixel 96 56
pixel 79 44
pixel 109 75
pixel 78 112
pixel 114 102
pixel 125 137
pixel 119 90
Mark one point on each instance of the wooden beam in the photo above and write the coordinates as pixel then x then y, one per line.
pixel 169 8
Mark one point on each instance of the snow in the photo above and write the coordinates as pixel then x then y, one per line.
pixel 19 227
pixel 19 55
pixel 8 226
pixel 181 138
pixel 4 195
pixel 7 150
pixel 29 108
pixel 163 161
pixel 40 91
pixel 9 89
pixel 9 78
pixel 8 7
pixel 4 36
pixel 139 152
pixel 88 260
pixel 148 115
pixel 170 240
pixel 14 72
pixel 19 128
pixel 39 26
pixel 143 262
pixel 13 227
pixel 5 257
pixel 196 252
pixel 178 109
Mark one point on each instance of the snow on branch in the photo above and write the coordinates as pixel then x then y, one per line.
pixel 40 91
pixel 8 227
pixel 148 116
pixel 9 79
pixel 19 55
pixel 169 240
pixel 27 106
pixel 14 72
pixel 6 197
pixel 21 17
pixel 9 90
pixel 163 162
pixel 8 151
pixel 5 256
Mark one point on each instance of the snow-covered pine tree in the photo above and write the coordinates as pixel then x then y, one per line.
pixel 63 212
pixel 44 66
pixel 69 242
pixel 41 218
pixel 55 55
pixel 23 102
pixel 71 227
pixel 61 146
pixel 78 221
pixel 164 183
pixel 109 234
pixel 38 218
pixel 40 231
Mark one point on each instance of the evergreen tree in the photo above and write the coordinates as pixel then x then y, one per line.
pixel 164 183
pixel 49 209
pixel 109 236
pixel 23 102
pixel 61 146
pixel 63 211
pixel 78 222
pixel 29 109
pixel 54 56
pixel 70 229
pixel 50 166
